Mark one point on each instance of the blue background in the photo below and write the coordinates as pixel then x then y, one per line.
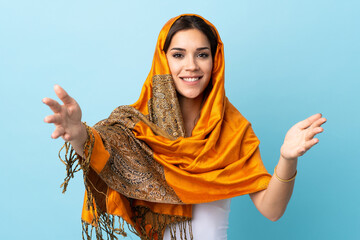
pixel 285 60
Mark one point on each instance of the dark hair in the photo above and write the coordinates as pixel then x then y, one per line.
pixel 192 22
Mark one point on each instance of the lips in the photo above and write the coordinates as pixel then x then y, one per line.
pixel 190 79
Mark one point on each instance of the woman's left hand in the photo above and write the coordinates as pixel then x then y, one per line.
pixel 300 138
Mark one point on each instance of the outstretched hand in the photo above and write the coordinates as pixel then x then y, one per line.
pixel 66 117
pixel 301 137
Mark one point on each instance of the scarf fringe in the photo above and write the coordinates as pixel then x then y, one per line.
pixel 105 225
pixel 152 225
pixel 102 223
pixel 182 229
pixel 144 216
pixel 71 162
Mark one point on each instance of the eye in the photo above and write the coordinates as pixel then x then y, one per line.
pixel 203 55
pixel 177 55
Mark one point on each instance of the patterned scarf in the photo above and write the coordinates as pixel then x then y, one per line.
pixel 140 169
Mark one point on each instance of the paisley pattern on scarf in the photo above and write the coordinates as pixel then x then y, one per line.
pixel 164 109
pixel 131 168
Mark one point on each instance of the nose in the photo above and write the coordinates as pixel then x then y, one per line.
pixel 191 64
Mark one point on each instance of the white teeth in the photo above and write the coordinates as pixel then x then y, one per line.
pixel 190 79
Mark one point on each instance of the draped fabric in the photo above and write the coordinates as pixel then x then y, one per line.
pixel 140 167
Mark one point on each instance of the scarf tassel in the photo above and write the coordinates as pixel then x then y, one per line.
pixel 103 223
pixel 151 225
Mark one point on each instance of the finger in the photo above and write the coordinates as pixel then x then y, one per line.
pixel 315 128
pixel 310 120
pixel 66 137
pixel 319 122
pixel 309 144
pixel 313 132
pixel 54 105
pixel 59 131
pixel 56 119
pixel 62 94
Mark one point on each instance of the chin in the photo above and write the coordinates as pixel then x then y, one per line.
pixel 193 96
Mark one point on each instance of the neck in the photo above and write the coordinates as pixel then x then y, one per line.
pixel 190 109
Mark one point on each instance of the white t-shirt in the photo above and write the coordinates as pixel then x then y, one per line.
pixel 210 221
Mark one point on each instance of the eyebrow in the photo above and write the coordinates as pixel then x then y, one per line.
pixel 182 49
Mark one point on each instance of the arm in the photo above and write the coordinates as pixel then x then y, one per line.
pixel 272 201
pixel 67 120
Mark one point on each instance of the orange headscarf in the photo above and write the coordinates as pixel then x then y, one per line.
pixel 220 160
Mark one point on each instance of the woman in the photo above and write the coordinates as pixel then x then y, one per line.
pixel 169 163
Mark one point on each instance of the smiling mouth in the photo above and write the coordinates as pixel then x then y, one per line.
pixel 191 79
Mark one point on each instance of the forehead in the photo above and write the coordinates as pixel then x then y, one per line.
pixel 189 38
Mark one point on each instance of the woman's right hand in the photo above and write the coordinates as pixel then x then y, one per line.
pixel 67 119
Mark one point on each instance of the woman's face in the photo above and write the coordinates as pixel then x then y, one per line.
pixel 190 62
